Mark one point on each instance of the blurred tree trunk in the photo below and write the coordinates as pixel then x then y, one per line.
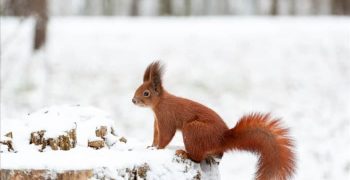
pixel 256 7
pixel 274 7
pixel 17 7
pixel 88 7
pixel 292 7
pixel 336 7
pixel 206 5
pixel 340 7
pixel 224 7
pixel 346 7
pixel 188 7
pixel 108 7
pixel 95 7
pixel 165 7
pixel 134 8
pixel 39 10
pixel 316 5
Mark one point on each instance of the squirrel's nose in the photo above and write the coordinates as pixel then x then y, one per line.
pixel 133 100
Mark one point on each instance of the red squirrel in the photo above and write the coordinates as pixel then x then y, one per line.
pixel 205 133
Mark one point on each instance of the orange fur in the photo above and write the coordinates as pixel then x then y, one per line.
pixel 205 133
pixel 259 133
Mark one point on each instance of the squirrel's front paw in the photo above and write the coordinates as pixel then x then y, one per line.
pixel 181 153
pixel 151 147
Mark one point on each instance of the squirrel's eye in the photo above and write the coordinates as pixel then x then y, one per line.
pixel 146 93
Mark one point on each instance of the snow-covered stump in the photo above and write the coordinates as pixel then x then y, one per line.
pixel 73 142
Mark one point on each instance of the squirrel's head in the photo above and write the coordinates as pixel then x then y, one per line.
pixel 148 94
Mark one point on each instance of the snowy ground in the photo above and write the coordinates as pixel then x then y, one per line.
pixel 297 68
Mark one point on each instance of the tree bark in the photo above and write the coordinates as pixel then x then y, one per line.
pixel 39 10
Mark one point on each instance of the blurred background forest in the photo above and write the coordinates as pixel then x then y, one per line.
pixel 179 7
pixel 42 9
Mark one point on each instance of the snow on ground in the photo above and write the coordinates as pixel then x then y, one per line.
pixel 296 68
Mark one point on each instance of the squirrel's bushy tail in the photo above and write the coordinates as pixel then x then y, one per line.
pixel 263 135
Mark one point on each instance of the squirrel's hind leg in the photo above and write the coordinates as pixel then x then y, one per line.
pixel 198 140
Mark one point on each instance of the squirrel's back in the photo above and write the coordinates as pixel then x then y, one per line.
pixel 186 110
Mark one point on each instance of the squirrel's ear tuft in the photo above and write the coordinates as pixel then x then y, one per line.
pixel 154 73
pixel 147 75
